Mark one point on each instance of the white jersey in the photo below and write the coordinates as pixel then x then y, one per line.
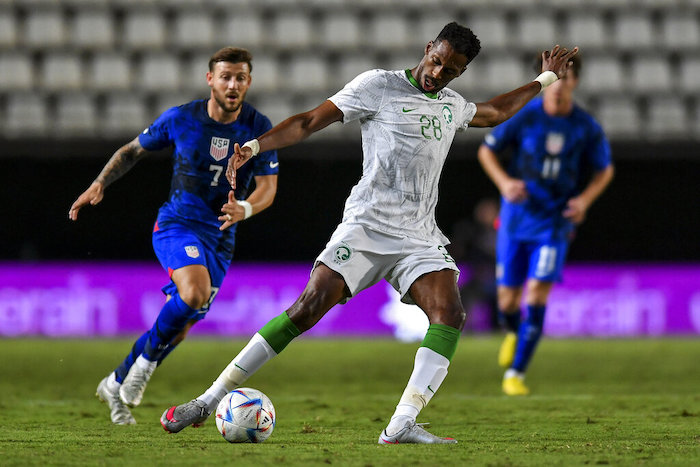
pixel 406 135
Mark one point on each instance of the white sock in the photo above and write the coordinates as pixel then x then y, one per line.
pixel 145 364
pixel 510 372
pixel 112 383
pixel 213 395
pixel 248 361
pixel 429 371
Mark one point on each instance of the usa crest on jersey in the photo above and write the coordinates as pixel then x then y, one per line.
pixel 219 147
pixel 554 143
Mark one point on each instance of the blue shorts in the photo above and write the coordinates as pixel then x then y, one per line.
pixel 177 245
pixel 517 261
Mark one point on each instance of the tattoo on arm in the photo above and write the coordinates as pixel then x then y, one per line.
pixel 121 162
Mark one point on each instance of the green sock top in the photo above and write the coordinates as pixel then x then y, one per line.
pixel 279 332
pixel 442 339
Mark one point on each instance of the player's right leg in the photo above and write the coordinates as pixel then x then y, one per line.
pixel 325 289
pixel 511 271
pixel 509 314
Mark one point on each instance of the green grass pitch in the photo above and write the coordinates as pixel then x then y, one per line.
pixel 619 402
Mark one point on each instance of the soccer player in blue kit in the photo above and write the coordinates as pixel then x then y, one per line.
pixel 194 234
pixel 554 145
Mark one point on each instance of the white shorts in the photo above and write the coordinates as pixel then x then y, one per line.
pixel 364 256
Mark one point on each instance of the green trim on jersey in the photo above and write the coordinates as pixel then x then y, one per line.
pixel 413 81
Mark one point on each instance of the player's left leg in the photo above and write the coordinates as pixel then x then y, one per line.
pixel 193 293
pixel 324 289
pixel 436 293
pixel 177 340
pixel 529 335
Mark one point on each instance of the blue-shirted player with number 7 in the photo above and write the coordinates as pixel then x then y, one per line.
pixel 194 233
pixel 545 192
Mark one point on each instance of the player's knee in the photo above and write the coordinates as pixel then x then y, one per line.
pixel 450 314
pixel 508 304
pixel 509 299
pixel 196 296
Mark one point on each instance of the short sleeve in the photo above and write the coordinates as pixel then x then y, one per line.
pixel 468 112
pixel 598 149
pixel 158 135
pixel 504 134
pixel 361 97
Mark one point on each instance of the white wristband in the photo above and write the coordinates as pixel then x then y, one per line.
pixel 546 78
pixel 247 208
pixel 253 145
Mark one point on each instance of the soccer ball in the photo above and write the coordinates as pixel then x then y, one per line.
pixel 245 415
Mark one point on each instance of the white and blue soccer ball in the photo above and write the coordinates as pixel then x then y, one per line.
pixel 245 415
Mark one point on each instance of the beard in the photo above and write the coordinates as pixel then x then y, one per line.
pixel 229 107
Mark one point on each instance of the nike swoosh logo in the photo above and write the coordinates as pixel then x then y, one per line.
pixel 431 389
pixel 236 364
pixel 405 110
pixel 274 164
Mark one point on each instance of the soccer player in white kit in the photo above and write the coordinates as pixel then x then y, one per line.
pixel 408 120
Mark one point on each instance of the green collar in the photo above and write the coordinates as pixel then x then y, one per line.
pixel 413 81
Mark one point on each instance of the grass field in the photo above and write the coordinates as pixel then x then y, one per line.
pixel 620 402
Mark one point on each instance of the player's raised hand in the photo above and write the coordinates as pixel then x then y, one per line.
pixel 93 195
pixel 558 60
pixel 240 156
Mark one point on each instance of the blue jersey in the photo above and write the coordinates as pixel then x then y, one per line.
pixel 202 148
pixel 553 156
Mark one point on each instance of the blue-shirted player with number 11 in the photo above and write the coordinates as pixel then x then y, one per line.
pixel 194 233
pixel 545 192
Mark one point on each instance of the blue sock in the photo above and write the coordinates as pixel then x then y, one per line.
pixel 528 337
pixel 166 352
pixel 171 320
pixel 511 321
pixel 136 350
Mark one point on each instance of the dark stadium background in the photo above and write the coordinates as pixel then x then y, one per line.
pixel 651 212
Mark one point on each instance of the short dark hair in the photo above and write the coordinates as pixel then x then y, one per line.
pixel 462 39
pixel 231 55
pixel 575 66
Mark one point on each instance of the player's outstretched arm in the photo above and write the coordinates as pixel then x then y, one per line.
pixel 286 133
pixel 119 164
pixel 555 63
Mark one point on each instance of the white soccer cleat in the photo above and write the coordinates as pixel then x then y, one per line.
pixel 134 385
pixel 414 433
pixel 119 413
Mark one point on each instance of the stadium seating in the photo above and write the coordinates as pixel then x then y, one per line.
pixel 93 29
pixel 148 52
pixel 76 116
pixel 16 72
pixel 26 115
pixel 109 71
